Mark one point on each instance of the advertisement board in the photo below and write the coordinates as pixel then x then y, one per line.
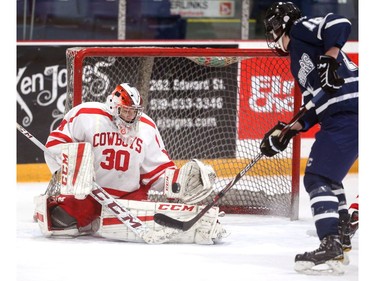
pixel 266 93
pixel 202 109
pixel 203 8
pixel 41 91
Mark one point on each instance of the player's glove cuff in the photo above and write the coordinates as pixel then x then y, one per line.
pixel 273 143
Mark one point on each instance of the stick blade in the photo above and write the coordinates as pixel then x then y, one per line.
pixel 167 221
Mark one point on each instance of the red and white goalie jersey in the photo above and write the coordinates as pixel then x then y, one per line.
pixel 123 163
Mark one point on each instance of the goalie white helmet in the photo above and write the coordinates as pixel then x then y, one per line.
pixel 126 106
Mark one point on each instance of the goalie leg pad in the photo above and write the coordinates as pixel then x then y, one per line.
pixel 43 218
pixel 66 216
pixel 84 211
pixel 208 230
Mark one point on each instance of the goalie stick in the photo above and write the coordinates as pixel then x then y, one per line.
pixel 112 205
pixel 165 220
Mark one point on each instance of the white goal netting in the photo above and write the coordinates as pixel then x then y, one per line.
pixel 211 104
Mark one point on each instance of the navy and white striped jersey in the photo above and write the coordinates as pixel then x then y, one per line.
pixel 311 37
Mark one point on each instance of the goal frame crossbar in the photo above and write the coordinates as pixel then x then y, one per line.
pixel 83 52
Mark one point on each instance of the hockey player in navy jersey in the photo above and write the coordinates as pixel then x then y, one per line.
pixel 317 62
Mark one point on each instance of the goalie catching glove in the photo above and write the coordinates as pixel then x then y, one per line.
pixel 273 143
pixel 191 184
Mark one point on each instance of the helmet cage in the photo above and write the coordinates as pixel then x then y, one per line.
pixel 126 104
pixel 278 21
pixel 126 108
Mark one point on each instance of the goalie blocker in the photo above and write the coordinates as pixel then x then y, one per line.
pixel 74 182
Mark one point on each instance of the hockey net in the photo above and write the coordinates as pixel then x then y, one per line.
pixel 212 104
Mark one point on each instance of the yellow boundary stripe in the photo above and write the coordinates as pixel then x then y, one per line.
pixel 41 173
pixel 33 173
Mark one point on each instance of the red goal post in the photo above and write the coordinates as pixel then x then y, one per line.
pixel 213 104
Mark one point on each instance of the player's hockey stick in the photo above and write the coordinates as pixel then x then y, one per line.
pixel 113 206
pixel 302 111
pixel 165 220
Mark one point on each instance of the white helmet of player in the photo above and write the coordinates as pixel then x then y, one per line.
pixel 126 105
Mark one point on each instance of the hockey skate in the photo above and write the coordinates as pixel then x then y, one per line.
pixel 344 232
pixel 327 259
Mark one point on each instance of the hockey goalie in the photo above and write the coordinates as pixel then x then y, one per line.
pixel 106 158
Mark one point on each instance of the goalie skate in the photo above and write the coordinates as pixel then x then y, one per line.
pixel 328 259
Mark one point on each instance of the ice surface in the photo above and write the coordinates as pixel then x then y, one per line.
pixel 259 248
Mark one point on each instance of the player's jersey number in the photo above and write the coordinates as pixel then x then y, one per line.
pixel 115 159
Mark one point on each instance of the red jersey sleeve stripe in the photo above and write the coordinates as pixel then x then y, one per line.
pixel 85 111
pixel 159 169
pixel 116 193
pixel 157 140
pixel 64 122
pixel 54 142
pixel 166 153
pixel 60 138
pixel 148 122
pixel 91 111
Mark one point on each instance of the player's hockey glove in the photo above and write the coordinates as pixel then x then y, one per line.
pixel 329 80
pixel 272 143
